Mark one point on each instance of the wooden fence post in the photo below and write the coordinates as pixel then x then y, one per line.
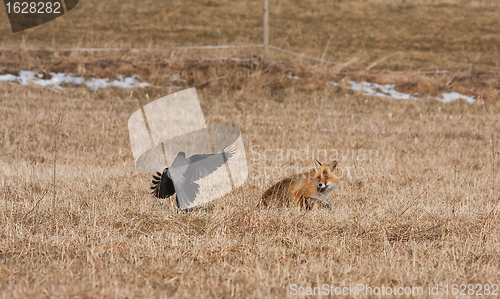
pixel 266 30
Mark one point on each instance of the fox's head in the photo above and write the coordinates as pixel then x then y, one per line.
pixel 326 176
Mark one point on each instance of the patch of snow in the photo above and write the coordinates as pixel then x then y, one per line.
pixel 56 79
pixel 379 90
pixel 124 83
pixel 96 84
pixel 452 96
pixel 8 77
pixel 388 91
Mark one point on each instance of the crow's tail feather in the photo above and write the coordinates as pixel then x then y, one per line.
pixel 163 186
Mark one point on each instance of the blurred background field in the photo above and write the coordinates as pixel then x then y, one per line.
pixel 78 220
pixel 377 41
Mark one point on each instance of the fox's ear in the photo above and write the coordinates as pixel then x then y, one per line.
pixel 333 165
pixel 318 164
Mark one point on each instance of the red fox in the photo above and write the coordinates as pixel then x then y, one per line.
pixel 308 190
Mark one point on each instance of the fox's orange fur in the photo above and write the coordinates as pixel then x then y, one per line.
pixel 307 190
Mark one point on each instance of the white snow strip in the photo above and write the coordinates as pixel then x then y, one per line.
pixel 124 83
pixel 56 79
pixel 368 88
pixel 452 96
pixel 8 77
pixel 379 90
pixel 388 91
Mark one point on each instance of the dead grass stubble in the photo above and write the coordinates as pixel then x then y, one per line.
pixel 113 239
pixel 417 215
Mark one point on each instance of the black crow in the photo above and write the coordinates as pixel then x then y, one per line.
pixel 184 172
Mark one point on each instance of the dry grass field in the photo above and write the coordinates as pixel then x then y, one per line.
pixel 419 199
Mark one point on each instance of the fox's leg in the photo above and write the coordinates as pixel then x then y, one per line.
pixel 316 203
pixel 312 203
pixel 324 205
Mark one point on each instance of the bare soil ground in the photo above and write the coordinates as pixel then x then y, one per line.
pixel 418 201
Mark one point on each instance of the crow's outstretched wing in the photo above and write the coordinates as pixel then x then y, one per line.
pixel 163 186
pixel 187 193
pixel 199 157
pixel 201 166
